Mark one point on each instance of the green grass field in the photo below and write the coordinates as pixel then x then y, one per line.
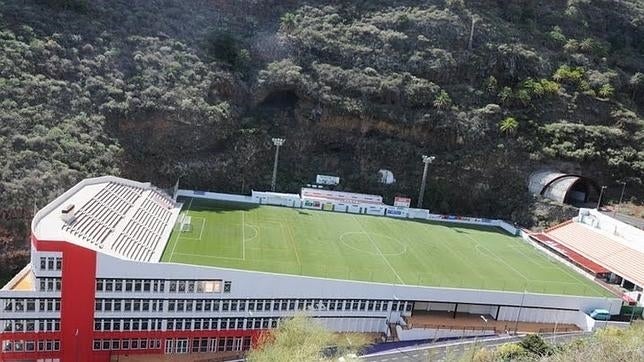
pixel 367 248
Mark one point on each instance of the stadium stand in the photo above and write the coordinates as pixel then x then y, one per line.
pixel 134 217
pixel 575 258
pixel 96 220
pixel 608 252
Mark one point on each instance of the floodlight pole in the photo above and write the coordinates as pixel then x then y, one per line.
pixel 516 324
pixel 601 194
pixel 277 142
pixel 426 160
pixel 621 197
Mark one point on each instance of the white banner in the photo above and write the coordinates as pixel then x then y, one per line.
pixel 327 180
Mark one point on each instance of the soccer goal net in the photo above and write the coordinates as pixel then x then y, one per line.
pixel 185 223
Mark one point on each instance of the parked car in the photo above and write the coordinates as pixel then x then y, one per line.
pixel 600 315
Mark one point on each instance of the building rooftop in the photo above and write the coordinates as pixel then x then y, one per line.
pixel 366 248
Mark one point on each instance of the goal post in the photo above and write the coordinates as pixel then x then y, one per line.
pixel 185 223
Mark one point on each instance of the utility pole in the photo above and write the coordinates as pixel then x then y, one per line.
pixel 426 160
pixel 277 142
pixel 601 194
pixel 621 197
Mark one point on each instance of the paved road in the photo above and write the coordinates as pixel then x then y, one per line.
pixel 452 350
pixel 631 220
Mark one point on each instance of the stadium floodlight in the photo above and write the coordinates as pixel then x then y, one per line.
pixel 277 142
pixel 426 161
pixel 601 194
pixel 621 198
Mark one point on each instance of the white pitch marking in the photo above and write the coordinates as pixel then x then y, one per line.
pixel 203 225
pixel 179 233
pixel 243 237
pixel 209 256
pixel 377 248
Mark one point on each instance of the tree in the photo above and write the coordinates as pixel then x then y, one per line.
pixel 491 84
pixel 636 83
pixel 505 95
pixel 509 125
pixel 301 338
pixel 442 100
pixel 288 22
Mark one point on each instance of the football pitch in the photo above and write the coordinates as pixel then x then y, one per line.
pixel 366 248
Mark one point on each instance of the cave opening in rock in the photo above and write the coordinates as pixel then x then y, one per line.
pixel 280 99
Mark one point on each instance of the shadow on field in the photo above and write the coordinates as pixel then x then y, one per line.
pixel 215 205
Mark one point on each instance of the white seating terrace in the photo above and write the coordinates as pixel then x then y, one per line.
pixel 126 220
pixel 609 252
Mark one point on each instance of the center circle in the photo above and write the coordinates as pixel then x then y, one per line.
pixel 373 243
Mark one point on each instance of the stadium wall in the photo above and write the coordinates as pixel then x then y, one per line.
pixel 433 333
pixel 252 284
pixel 287 200
pixel 218 196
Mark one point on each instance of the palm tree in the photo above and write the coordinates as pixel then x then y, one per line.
pixel 442 100
pixel 288 21
pixel 509 125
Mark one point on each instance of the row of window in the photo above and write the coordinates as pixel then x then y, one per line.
pixel 128 305
pixel 30 325
pixel 49 284
pixel 132 324
pixel 235 305
pixel 159 286
pixel 199 286
pixel 181 324
pixel 51 263
pixel 126 344
pixel 176 345
pixel 30 305
pixel 130 285
pixel 197 324
pixel 205 344
pixel 30 346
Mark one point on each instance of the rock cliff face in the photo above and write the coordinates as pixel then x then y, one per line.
pixel 160 90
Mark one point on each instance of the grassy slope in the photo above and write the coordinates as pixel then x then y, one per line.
pixel 358 247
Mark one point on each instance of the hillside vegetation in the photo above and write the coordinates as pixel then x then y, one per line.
pixel 163 89
pixel 606 344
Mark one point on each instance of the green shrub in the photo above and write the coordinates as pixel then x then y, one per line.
pixel 510 351
pixel 568 73
pixel 534 344
pixel 505 95
pixel 523 96
pixel 606 91
pixel 491 84
pixel 556 36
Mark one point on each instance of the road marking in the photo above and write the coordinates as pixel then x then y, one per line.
pixel 377 248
